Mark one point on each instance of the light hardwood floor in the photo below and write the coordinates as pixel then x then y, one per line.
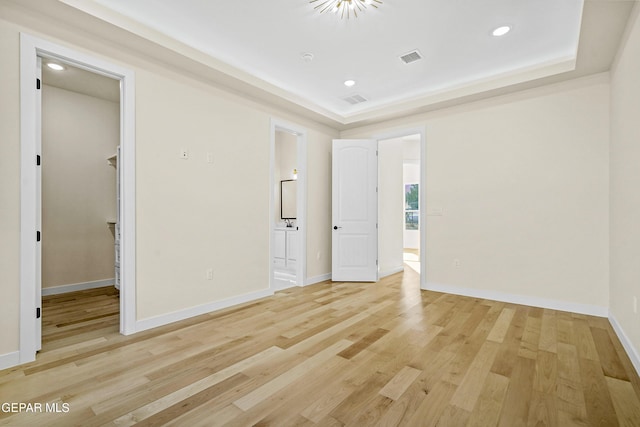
pixel 330 354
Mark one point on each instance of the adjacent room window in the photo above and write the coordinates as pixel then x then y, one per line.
pixel 411 207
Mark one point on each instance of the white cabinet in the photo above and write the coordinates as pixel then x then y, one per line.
pixel 292 248
pixel 285 248
pixel 280 248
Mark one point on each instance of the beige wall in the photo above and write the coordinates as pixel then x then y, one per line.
pixel 523 183
pixel 390 198
pixel 286 159
pixel 625 183
pixel 319 147
pixel 79 133
pixel 9 189
pixel 191 215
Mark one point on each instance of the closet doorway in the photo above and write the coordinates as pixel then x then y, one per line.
pixel 33 51
pixel 80 129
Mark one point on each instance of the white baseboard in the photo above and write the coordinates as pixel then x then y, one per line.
pixel 592 310
pixel 9 360
pixel 55 290
pixel 632 352
pixel 390 272
pixel 165 319
pixel 283 279
pixel 317 279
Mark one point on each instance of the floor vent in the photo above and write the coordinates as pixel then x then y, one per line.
pixel 355 99
pixel 410 57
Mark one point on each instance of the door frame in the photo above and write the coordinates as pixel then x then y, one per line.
pixel 422 131
pixel 30 49
pixel 277 124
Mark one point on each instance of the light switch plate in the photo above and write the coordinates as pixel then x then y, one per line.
pixel 183 154
pixel 436 211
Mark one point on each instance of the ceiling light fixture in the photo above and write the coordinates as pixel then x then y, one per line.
pixel 349 83
pixel 55 66
pixel 501 31
pixel 344 8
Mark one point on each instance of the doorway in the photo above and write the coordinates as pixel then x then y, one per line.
pixel 288 206
pixel 80 129
pixel 401 229
pixel 32 51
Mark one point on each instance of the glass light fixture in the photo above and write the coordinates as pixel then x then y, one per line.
pixel 501 31
pixel 344 8
pixel 55 66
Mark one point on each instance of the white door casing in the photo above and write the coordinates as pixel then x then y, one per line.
pixel 38 146
pixel 354 210
pixel 31 49
pixel 300 244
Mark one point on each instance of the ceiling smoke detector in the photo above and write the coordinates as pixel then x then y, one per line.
pixel 410 57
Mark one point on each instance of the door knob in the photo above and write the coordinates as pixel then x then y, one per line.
pixel 335 227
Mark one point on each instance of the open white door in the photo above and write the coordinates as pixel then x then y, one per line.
pixel 38 293
pixel 354 210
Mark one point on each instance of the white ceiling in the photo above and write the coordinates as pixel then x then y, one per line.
pixel 260 43
pixel 78 80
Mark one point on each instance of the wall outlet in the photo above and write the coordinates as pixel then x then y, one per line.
pixel 183 154
pixel 319 255
pixel 635 305
pixel 456 263
pixel 210 274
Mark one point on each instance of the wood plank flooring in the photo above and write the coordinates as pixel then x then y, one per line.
pixel 331 354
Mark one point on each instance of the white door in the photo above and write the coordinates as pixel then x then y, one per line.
pixel 354 210
pixel 38 293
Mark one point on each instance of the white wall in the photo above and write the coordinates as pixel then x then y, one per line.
pixel 523 183
pixel 79 133
pixel 625 185
pixel 390 206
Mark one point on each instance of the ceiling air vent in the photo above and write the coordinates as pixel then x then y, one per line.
pixel 355 99
pixel 410 57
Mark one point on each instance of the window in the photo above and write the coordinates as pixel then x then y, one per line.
pixel 411 207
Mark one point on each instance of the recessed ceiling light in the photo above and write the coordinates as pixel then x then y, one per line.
pixel 307 56
pixel 501 31
pixel 349 83
pixel 55 66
